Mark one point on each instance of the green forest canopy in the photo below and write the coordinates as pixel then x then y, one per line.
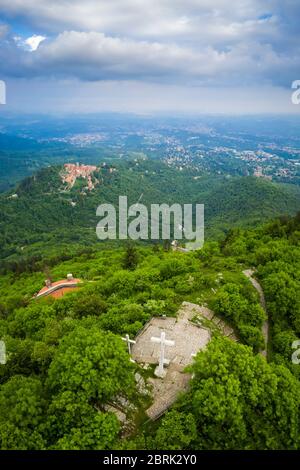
pixel 66 359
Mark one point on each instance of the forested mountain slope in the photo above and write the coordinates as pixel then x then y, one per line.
pixel 66 360
pixel 41 214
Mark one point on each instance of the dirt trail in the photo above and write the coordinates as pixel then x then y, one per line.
pixel 265 328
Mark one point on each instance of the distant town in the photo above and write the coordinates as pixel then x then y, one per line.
pixel 200 152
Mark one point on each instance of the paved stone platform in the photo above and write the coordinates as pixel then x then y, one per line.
pixel 165 391
pixel 189 339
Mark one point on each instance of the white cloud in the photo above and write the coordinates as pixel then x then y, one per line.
pixel 93 56
pixel 185 43
pixel 146 18
pixel 29 44
pixel 34 41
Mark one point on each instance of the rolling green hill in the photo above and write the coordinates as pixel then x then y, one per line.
pixel 66 362
pixel 40 214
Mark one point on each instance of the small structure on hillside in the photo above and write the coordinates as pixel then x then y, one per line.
pixel 176 247
pixel 59 288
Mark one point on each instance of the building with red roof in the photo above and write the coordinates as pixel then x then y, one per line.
pixel 59 288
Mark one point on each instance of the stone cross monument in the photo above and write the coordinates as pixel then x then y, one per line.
pixel 129 343
pixel 159 371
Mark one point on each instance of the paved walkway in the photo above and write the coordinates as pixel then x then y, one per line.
pixel 201 311
pixel 265 328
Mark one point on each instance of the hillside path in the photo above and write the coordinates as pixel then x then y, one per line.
pixel 265 328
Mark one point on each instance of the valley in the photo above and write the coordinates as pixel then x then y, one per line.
pixel 230 310
pixel 43 215
pixel 266 147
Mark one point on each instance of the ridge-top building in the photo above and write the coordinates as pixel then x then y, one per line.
pixel 59 288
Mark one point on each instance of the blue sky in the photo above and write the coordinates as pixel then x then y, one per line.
pixel 150 55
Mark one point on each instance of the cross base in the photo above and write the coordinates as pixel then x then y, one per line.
pixel 160 373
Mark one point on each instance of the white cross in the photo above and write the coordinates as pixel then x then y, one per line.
pixel 163 343
pixel 129 342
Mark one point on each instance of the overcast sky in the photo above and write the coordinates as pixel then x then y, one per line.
pixel 144 56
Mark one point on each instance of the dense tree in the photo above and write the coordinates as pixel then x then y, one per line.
pixel 176 431
pixel 29 321
pixel 246 315
pixel 89 303
pixel 22 408
pixel 131 257
pixel 128 318
pixel 282 293
pixel 97 432
pixel 65 362
pixel 74 423
pixel 240 402
pixel 93 362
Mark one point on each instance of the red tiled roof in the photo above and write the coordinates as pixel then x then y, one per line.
pixel 64 283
